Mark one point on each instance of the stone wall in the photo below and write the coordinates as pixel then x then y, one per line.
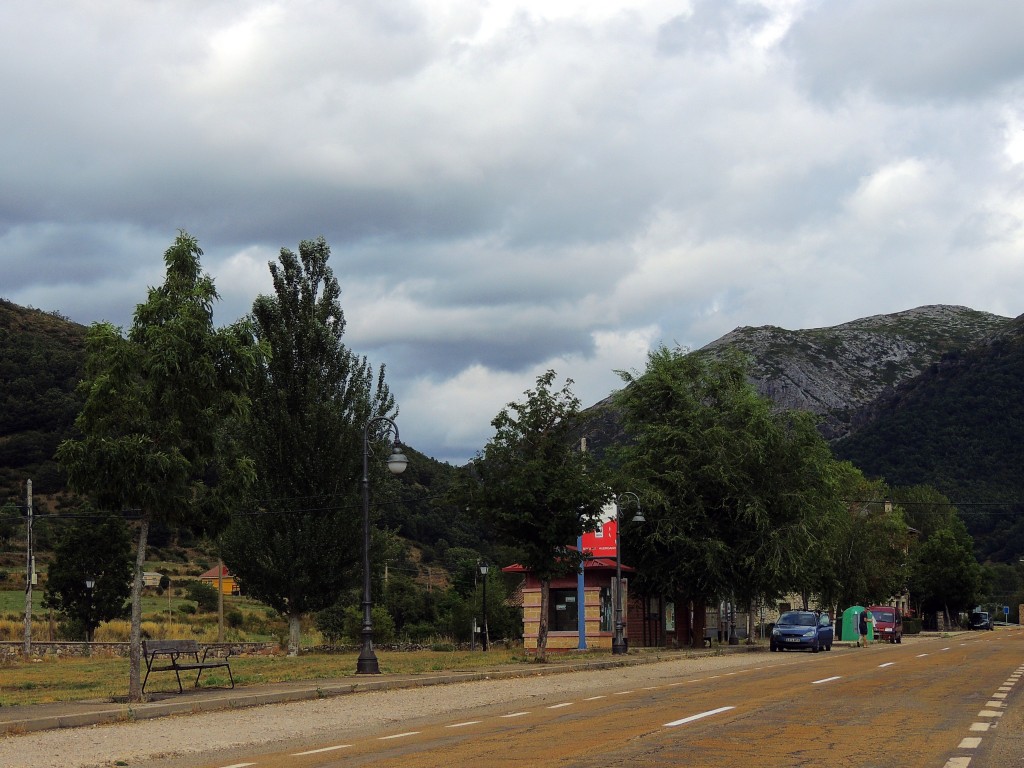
pixel 12 651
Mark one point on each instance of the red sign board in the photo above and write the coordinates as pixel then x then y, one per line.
pixel 601 543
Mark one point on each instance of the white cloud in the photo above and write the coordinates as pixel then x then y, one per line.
pixel 511 187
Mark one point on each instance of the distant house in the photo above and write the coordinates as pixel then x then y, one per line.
pixel 151 578
pixel 229 585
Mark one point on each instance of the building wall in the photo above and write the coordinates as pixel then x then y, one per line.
pixel 569 641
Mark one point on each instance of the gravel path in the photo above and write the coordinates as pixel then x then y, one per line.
pixel 346 716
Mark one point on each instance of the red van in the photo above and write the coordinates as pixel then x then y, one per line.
pixel 888 623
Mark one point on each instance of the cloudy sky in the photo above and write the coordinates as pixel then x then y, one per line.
pixel 517 185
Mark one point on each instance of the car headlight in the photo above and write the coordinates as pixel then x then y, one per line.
pixel 810 633
pixel 776 632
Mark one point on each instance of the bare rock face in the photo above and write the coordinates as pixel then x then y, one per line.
pixel 834 372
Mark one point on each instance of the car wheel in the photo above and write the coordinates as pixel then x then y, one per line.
pixel 815 648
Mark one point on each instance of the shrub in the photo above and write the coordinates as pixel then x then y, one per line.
pixel 71 629
pixel 911 626
pixel 235 619
pixel 420 631
pixel 204 595
pixel 337 623
pixel 331 623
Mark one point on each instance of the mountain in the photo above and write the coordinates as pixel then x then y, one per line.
pixel 835 372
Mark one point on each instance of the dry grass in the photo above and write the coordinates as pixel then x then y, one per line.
pixel 106 678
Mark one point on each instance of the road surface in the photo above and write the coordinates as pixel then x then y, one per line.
pixel 931 702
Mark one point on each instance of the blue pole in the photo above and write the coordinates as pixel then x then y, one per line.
pixel 581 603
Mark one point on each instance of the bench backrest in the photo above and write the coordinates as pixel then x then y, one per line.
pixel 169 646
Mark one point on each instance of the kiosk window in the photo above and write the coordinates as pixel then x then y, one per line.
pixel 563 615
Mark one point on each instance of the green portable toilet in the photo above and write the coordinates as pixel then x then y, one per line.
pixel 851 624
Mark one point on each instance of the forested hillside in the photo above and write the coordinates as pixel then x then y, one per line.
pixel 41 359
pixel 960 428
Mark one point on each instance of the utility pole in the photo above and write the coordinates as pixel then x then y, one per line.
pixel 29 575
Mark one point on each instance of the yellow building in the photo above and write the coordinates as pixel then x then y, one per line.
pixel 229 584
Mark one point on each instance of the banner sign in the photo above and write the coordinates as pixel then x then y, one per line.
pixel 601 543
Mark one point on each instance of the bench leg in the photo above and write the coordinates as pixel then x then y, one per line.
pixel 226 666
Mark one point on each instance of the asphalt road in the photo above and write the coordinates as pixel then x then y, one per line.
pixel 936 703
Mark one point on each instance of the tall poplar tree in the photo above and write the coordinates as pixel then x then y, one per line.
pixel 157 400
pixel 538 490
pixel 299 548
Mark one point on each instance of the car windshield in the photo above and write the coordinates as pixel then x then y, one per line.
pixel 799 619
pixel 887 616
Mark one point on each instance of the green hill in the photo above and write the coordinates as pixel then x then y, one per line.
pixel 959 426
pixel 41 361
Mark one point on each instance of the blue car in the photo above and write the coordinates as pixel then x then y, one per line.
pixel 803 630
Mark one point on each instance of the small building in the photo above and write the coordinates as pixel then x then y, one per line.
pixel 151 578
pixel 229 584
pixel 564 606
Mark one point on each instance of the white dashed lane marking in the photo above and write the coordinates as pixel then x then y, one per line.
pixel 699 716
pixel 827 680
pixel 322 749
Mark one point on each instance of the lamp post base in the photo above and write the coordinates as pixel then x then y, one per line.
pixel 367 664
pixel 619 646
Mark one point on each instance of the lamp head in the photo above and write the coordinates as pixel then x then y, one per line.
pixel 484 567
pixel 397 461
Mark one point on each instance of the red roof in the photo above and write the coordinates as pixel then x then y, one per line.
pixel 213 574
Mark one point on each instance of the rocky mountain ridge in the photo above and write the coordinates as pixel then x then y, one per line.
pixel 836 371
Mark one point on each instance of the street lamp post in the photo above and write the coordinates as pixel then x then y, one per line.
pixel 619 640
pixel 484 568
pixel 367 663
pixel 90 582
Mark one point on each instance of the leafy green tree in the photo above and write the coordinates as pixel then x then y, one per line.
pixel 156 402
pixel 536 488
pixel 96 548
pixel 733 489
pixel 300 548
pixel 864 559
pixel 944 575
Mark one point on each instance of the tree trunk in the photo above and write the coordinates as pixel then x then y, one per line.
pixel 294 633
pixel 135 644
pixel 542 629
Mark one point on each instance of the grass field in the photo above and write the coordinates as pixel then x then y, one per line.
pixel 245 620
pixel 106 678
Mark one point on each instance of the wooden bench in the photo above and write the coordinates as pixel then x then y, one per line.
pixel 181 655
